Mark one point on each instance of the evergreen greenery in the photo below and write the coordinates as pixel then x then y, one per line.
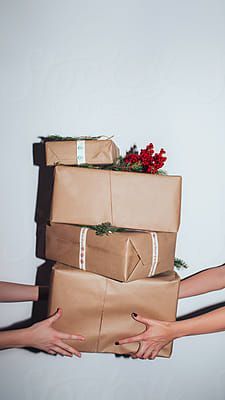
pixel 179 263
pixel 57 138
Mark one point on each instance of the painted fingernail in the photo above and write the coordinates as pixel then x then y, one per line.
pixel 116 343
pixel 134 314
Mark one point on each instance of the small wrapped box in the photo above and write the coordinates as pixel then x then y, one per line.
pixel 76 152
pixel 100 308
pixel 124 256
pixel 87 196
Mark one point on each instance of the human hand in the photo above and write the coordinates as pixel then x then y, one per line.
pixel 155 337
pixel 44 337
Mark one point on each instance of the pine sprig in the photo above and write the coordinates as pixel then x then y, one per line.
pixel 105 229
pixel 57 138
pixel 179 263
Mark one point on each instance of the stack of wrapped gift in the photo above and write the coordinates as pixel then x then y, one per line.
pixel 99 280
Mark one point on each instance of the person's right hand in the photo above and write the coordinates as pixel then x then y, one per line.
pixel 44 337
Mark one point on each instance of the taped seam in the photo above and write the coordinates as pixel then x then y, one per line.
pixel 101 319
pixel 131 242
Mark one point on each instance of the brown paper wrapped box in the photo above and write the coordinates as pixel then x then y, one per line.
pixel 100 308
pixel 90 152
pixel 124 256
pixel 87 196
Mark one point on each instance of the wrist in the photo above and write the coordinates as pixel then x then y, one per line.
pixel 22 338
pixel 176 329
pixel 180 329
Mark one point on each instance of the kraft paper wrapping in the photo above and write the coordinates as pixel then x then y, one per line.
pixel 124 256
pixel 95 152
pixel 100 308
pixel 88 196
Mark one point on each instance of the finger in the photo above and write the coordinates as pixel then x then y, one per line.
pixel 54 317
pixel 61 351
pixel 152 352
pixel 148 353
pixel 67 336
pixel 131 339
pixel 68 348
pixel 140 353
pixel 141 319
pixel 52 352
pixel 132 355
pixel 155 353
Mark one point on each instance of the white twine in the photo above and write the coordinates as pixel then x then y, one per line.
pixel 155 253
pixel 82 252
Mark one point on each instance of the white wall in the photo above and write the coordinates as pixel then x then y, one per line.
pixel 144 71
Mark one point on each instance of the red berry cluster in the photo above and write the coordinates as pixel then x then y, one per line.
pixel 147 161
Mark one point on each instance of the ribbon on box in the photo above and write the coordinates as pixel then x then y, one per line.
pixel 155 253
pixel 82 252
pixel 81 159
pixel 81 151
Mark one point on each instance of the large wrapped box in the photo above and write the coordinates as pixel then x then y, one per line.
pixel 87 196
pixel 124 256
pixel 100 308
pixel 75 152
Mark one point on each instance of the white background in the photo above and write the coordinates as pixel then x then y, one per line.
pixel 143 71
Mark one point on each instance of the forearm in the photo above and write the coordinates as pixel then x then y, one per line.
pixel 11 292
pixel 203 282
pixel 213 321
pixel 14 338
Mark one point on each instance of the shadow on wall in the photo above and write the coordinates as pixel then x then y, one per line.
pixel 42 217
pixel 45 185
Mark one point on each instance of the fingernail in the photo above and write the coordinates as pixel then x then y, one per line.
pixel 116 343
pixel 134 314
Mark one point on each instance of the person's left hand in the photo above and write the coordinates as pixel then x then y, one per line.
pixel 155 337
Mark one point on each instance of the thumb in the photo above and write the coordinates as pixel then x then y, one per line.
pixel 54 317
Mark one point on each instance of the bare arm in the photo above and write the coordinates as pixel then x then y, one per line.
pixel 10 292
pixel 160 333
pixel 210 322
pixel 205 281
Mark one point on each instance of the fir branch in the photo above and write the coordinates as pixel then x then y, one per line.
pixel 57 138
pixel 179 263
pixel 106 229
